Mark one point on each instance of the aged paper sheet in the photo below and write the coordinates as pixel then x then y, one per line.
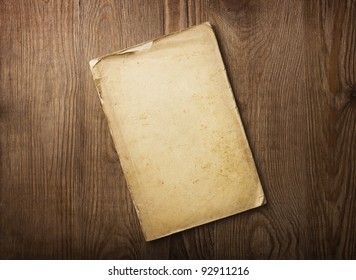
pixel 177 131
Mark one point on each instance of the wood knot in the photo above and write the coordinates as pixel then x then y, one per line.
pixel 352 94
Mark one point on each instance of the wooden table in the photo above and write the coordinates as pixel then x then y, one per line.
pixel 292 65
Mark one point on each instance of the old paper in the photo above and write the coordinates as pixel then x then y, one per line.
pixel 177 131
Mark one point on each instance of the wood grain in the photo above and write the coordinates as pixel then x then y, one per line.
pixel 292 66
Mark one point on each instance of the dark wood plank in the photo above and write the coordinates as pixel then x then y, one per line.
pixel 292 68
pixel 330 84
pixel 38 138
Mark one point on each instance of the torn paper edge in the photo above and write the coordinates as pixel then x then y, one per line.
pixel 141 47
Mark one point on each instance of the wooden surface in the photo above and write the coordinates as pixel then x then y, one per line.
pixel 292 65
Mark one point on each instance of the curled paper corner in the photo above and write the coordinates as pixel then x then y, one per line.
pixel 208 23
pixel 93 62
pixel 139 48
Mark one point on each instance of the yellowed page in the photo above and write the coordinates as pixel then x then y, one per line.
pixel 177 131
